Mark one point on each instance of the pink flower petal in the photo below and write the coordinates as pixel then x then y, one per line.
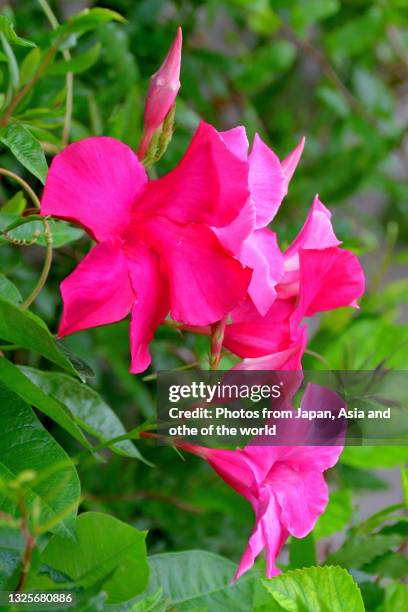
pixel 288 359
pixel 94 182
pixel 151 305
pixel 250 335
pixel 319 458
pixel 205 282
pixel 261 253
pixel 316 233
pixel 290 162
pixel 267 182
pixel 267 533
pixel 302 496
pixel 98 291
pixel 329 279
pixel 237 141
pixel 233 235
pixel 209 185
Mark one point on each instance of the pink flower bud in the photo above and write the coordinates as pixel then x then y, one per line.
pixel 162 92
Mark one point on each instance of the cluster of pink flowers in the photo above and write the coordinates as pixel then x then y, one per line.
pixel 196 245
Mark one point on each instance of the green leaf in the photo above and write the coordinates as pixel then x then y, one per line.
pixel 24 329
pixel 336 516
pixel 404 484
pixel 78 64
pixel 86 20
pixel 16 204
pixel 29 65
pixel 32 227
pixel 83 370
pixel 334 100
pixel 7 28
pixel 26 148
pixel 316 588
pixel 356 35
pixel 152 603
pixel 15 380
pixel 56 490
pixel 385 514
pixel 88 408
pixel 307 13
pixel 8 291
pixel 359 550
pixel 396 597
pixel 389 565
pixel 302 552
pixel 374 456
pixel 11 62
pixel 196 579
pixel 105 549
pixel 12 546
pixel 62 233
pixel 367 343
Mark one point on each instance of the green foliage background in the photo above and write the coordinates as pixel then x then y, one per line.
pixel 334 71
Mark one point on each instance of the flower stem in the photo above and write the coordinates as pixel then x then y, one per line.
pixel 45 270
pixel 69 79
pixel 30 545
pixel 217 339
pixel 21 94
pixel 23 184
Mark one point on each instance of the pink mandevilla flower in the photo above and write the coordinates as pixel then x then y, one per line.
pixel 162 92
pixel 318 276
pixel 249 237
pixel 284 484
pixel 155 248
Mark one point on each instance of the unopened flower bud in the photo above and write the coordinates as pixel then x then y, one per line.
pixel 162 92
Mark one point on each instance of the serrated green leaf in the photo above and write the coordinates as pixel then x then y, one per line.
pixel 106 550
pixel 78 64
pixel 88 408
pixel 26 148
pixel 34 449
pixel 321 589
pixel 7 28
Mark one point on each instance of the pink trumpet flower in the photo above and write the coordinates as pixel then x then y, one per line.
pixel 284 484
pixel 155 251
pixel 248 236
pixel 161 94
